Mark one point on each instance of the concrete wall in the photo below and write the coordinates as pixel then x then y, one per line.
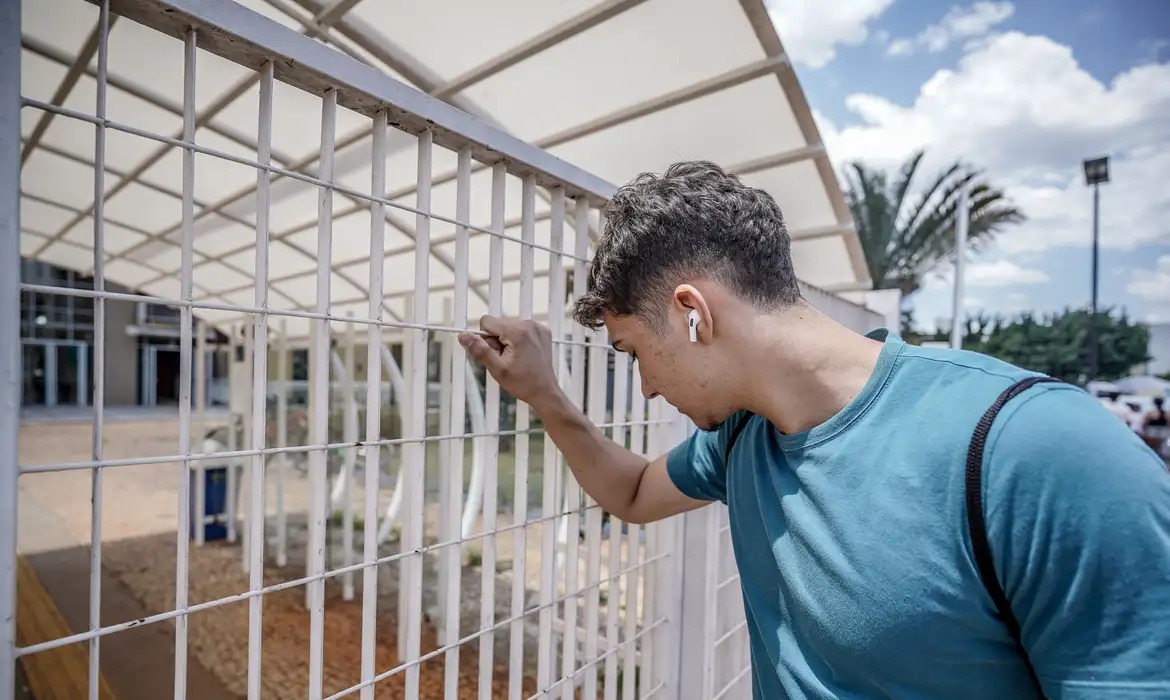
pixel 849 314
pixel 121 354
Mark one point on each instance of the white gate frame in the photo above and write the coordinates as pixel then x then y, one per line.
pixel 10 379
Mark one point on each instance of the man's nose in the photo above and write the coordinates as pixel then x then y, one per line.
pixel 648 392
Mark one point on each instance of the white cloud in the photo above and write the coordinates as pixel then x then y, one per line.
pixel 811 33
pixel 998 273
pixel 1152 285
pixel 1022 109
pixel 959 23
pixel 1002 273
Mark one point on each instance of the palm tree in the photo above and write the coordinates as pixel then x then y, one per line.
pixel 905 239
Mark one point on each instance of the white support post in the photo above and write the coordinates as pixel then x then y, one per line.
pixel 348 462
pixel 572 489
pixel 373 408
pixel 634 555
pixel 523 423
pixel 259 338
pixel 708 591
pixel 962 223
pixel 283 376
pixel 406 408
pixel 546 660
pixel 651 675
pixel 598 369
pixel 182 551
pixel 231 498
pixel 458 407
pixel 10 370
pixel 487 605
pixel 445 532
pixel 670 572
pixel 613 602
pixel 200 518
pixel 319 414
pixel 416 463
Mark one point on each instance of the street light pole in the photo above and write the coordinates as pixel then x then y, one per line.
pixel 1096 172
pixel 1093 340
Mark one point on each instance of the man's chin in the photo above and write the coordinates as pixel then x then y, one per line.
pixel 709 426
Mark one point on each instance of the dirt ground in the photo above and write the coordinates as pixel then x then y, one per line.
pixel 139 516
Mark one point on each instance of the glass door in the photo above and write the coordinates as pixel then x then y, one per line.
pixel 55 373
pixel 35 386
pixel 72 373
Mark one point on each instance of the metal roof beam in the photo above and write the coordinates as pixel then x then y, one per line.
pixel 53 54
pixel 72 75
pixel 545 40
pixel 215 108
pixel 777 160
pixel 695 91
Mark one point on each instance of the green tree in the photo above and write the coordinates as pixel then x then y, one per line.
pixel 1057 344
pixel 905 236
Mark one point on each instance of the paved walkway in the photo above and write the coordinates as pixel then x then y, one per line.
pixel 113 414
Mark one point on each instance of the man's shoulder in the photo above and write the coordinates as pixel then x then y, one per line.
pixel 1058 439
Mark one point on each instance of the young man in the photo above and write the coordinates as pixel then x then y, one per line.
pixel 846 482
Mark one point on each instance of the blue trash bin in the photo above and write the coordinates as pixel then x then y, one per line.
pixel 214 503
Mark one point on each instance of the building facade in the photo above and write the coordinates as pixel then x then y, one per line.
pixel 141 343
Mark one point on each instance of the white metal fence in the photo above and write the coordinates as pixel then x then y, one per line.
pixel 597 624
pixel 443 465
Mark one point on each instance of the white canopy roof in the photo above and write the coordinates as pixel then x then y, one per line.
pixel 615 87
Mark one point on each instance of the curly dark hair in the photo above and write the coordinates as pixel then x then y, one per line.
pixel 694 220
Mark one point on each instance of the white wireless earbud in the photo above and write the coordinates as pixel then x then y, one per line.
pixel 693 324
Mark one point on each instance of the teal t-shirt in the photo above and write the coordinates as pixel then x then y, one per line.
pixel 857 570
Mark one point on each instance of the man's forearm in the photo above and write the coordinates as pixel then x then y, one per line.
pixel 606 471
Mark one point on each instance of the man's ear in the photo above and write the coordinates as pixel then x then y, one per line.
pixel 690 306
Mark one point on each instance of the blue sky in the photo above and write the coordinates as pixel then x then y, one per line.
pixel 1023 90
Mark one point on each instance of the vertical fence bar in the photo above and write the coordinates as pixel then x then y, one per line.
pixel 418 397
pixel 523 422
pixel 613 601
pixel 256 487
pixel 349 461
pixel 99 346
pixel 598 361
pixel 487 607
pixel 457 422
pixel 200 420
pixel 182 552
pixel 373 407
pixel 282 441
pixel 572 488
pixel 650 672
pixel 10 377
pixel 548 655
pixel 320 404
pixel 246 435
pixel 634 553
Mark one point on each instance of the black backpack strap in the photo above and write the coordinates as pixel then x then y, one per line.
pixel 978 526
pixel 736 428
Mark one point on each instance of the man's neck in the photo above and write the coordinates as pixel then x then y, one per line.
pixel 805 368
